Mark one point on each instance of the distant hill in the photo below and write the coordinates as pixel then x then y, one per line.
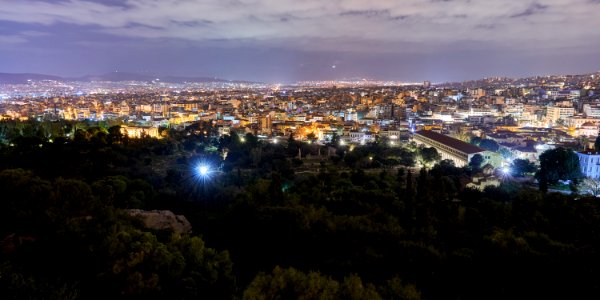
pixel 17 78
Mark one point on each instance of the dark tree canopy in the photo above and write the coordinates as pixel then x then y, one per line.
pixel 476 161
pixel 430 155
pixel 311 137
pixel 490 145
pixel 475 140
pixel 293 284
pixel 520 167
pixel 338 227
pixel 559 164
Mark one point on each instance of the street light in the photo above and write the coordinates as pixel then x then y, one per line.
pixel 505 173
pixel 203 170
pixel 204 173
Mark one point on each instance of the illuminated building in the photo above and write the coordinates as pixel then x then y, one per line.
pixel 555 113
pixel 450 148
pixel 137 132
pixel 589 162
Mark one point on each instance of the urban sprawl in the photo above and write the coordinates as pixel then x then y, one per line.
pixel 522 117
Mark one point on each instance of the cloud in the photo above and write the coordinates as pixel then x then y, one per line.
pixel 12 39
pixel 352 25
pixel 533 9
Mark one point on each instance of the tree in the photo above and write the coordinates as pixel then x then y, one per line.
pixel 558 164
pixel 490 145
pixel 475 140
pixel 429 155
pixel 293 284
pixel 589 186
pixel 597 143
pixel 520 167
pixel 476 161
pixel 407 158
pixel 335 140
pixel 396 289
pixel 506 154
pixel 115 135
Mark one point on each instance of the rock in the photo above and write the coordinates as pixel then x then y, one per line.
pixel 162 220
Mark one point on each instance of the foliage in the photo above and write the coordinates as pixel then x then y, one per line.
pixel 589 186
pixel 475 140
pixel 486 144
pixel 342 226
pixel 429 155
pixel 84 247
pixel 293 284
pixel 558 164
pixel 476 161
pixel 506 154
pixel 520 167
pixel 489 145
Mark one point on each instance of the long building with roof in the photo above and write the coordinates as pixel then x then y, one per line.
pixel 450 148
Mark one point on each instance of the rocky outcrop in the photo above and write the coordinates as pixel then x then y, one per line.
pixel 162 220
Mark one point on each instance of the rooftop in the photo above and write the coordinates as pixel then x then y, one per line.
pixel 450 142
pixel 589 152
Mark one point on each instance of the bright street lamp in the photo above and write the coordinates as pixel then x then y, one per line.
pixel 203 170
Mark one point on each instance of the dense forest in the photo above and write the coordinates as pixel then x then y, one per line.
pixel 275 221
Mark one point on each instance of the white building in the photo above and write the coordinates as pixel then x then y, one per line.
pixel 577 121
pixel 588 129
pixel 591 110
pixel 555 113
pixel 589 161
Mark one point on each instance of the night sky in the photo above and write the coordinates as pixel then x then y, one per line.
pixel 290 40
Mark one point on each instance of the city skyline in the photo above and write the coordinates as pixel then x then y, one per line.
pixel 289 41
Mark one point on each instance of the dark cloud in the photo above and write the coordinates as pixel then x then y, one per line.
pixel 365 13
pixel 534 8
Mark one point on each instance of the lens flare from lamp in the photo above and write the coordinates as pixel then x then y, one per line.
pixel 203 170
